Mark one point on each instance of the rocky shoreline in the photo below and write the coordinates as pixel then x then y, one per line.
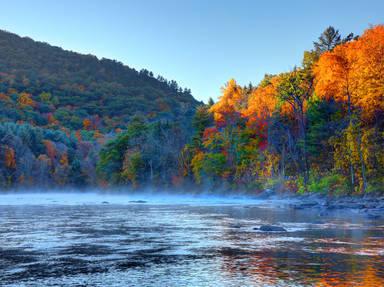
pixel 370 206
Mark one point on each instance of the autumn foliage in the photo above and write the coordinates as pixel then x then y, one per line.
pixel 353 73
pixel 10 160
pixel 228 109
pixel 318 127
pixel 262 101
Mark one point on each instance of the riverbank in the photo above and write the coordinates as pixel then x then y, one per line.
pixel 370 206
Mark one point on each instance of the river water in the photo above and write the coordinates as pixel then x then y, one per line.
pixel 105 240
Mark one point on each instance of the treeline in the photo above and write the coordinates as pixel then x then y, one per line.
pixel 37 157
pixel 146 154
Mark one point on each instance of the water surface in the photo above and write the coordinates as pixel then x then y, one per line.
pixel 71 240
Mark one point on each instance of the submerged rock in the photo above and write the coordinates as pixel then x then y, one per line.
pixel 373 216
pixel 271 228
pixel 306 205
pixel 235 225
pixel 138 201
pixel 323 213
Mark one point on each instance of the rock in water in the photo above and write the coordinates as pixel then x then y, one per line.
pixel 306 205
pixel 272 228
pixel 373 216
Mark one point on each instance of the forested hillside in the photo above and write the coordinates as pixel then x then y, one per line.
pixel 58 108
pixel 46 85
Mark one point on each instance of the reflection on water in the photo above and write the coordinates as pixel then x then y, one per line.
pixel 186 245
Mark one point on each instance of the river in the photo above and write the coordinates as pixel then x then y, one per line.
pixel 108 240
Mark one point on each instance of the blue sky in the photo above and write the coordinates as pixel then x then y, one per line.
pixel 199 43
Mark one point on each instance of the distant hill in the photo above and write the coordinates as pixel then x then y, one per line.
pixel 48 86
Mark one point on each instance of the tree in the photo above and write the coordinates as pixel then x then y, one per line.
pixel 334 75
pixel 295 88
pixel 368 72
pixel 25 100
pixel 87 124
pixel 50 149
pixel 334 79
pixel 201 120
pixel 262 101
pixel 132 165
pixel 228 109
pixel 329 39
pixel 353 74
pixel 10 159
pixel 45 97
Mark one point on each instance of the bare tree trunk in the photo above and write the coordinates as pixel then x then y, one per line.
pixel 283 163
pixel 352 176
pixel 362 162
pixel 151 167
pixel 304 149
pixel 351 168
pixel 304 137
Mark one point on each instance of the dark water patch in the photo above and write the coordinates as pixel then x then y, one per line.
pixel 17 256
pixel 55 269
pixel 86 250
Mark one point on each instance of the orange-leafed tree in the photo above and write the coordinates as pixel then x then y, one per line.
pixel 64 159
pixel 228 108
pixel 50 149
pixel 334 75
pixel 10 158
pixel 227 117
pixel 25 99
pixel 4 97
pixel 78 136
pixel 334 80
pixel 52 120
pixel 353 73
pixel 262 101
pixel 368 73
pixel 87 124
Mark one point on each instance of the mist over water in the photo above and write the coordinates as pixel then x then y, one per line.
pixel 164 239
pixel 73 197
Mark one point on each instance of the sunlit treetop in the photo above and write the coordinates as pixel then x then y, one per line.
pixel 353 73
pixel 369 71
pixel 262 101
pixel 230 104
